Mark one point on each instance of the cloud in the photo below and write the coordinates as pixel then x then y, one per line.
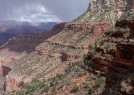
pixel 42 10
pixel 40 18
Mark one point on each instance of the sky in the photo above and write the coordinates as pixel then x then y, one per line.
pixel 42 10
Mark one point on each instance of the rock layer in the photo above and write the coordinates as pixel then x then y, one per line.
pixel 18 47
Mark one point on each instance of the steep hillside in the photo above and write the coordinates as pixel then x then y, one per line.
pixel 20 46
pixel 24 44
pixel 60 54
pixel 113 56
pixel 105 10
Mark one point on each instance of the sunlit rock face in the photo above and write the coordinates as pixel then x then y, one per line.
pixel 119 5
pixel 108 10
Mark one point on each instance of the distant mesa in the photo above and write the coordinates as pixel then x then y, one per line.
pixel 9 29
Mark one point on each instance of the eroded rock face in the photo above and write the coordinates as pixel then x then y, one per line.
pixel 78 27
pixel 119 5
pixel 113 57
pixel 4 70
pixel 98 28
pixel 87 27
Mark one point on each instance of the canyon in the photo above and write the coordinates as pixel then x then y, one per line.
pixel 10 29
pixel 94 36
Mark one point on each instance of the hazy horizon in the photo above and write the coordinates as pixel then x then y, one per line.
pixel 42 10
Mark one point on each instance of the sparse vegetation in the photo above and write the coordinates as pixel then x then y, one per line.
pixel 75 89
pixel 87 77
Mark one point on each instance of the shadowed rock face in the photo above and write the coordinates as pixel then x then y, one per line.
pixel 5 70
pixel 125 24
pixel 69 57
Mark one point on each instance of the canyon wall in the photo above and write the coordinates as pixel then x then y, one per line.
pixel 15 49
pixel 119 5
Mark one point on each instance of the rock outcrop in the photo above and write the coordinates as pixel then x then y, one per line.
pixel 119 5
pixel 100 27
pixel 126 24
pixel 113 56
pixel 78 26
pixel 105 11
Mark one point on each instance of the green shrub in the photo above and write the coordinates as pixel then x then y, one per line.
pixel 75 89
pixel 90 89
